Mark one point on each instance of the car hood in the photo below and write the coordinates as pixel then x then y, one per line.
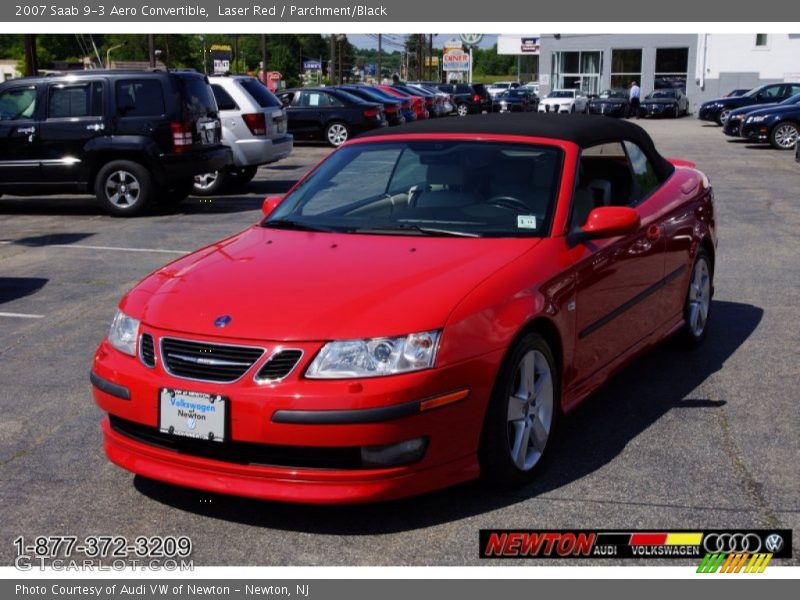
pixel 558 100
pixel 730 102
pixel 291 285
pixel 774 109
pixel 608 101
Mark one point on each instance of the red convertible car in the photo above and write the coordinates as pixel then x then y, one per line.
pixel 420 310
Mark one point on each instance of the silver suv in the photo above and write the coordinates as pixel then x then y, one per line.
pixel 253 127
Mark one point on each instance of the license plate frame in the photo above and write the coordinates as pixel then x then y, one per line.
pixel 194 415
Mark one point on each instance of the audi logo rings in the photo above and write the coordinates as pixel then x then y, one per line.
pixel 732 542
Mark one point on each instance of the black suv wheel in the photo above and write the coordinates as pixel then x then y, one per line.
pixel 124 188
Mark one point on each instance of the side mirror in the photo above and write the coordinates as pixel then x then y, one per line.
pixel 270 204
pixel 605 222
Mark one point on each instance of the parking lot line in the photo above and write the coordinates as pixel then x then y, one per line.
pixel 118 248
pixel 20 315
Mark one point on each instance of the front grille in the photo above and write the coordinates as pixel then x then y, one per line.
pixel 279 365
pixel 147 350
pixel 243 453
pixel 207 361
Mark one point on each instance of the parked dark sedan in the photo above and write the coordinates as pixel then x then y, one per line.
pixel 329 113
pixel 779 125
pixel 664 103
pixel 515 100
pixel 611 103
pixel 392 107
pixel 720 109
pixel 733 126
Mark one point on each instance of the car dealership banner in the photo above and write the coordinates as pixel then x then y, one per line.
pixel 327 11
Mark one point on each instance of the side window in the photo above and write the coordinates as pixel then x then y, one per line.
pixel 18 104
pixel 773 91
pixel 408 172
pixel 644 175
pixel 794 88
pixel 223 98
pixel 329 100
pixel 75 101
pixel 139 98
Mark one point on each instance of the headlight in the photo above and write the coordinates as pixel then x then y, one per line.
pixel 375 357
pixel 757 119
pixel 123 332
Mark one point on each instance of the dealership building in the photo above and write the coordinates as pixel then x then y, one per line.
pixel 706 66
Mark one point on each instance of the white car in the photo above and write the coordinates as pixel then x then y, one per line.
pixel 498 87
pixel 253 127
pixel 564 101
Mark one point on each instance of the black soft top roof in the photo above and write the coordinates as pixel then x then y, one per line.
pixel 583 130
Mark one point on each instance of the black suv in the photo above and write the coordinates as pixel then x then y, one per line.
pixel 468 98
pixel 129 137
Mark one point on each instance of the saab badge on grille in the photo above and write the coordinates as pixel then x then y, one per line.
pixel 222 321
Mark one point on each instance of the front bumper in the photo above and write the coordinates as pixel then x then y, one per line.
pixel 707 113
pixel 656 110
pixel 757 132
pixel 252 152
pixel 295 413
pixel 555 108
pixel 733 127
pixel 609 110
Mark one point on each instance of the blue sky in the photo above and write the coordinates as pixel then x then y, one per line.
pixel 363 40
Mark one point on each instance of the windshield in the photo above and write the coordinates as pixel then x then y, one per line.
pixel 512 94
pixel 561 94
pixel 663 94
pixel 501 86
pixel 427 187
pixel 613 94
pixel 754 92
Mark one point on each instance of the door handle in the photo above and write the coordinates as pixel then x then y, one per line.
pixel 26 130
pixel 95 127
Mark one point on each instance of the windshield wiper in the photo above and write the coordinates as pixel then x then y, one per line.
pixel 405 229
pixel 296 225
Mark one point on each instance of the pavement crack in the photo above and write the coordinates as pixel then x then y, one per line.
pixel 752 489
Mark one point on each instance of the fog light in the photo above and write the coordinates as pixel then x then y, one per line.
pixel 393 454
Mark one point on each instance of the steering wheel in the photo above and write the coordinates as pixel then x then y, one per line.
pixel 509 202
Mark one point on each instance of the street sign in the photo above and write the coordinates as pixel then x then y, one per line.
pixel 471 39
pixel 431 61
pixel 455 60
pixel 312 65
pixel 222 55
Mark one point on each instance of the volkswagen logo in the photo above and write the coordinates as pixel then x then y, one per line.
pixel 223 321
pixel 732 542
pixel 774 543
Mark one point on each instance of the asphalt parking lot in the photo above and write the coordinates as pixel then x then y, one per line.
pixel 702 439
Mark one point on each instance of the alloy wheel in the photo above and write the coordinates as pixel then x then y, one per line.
pixel 206 181
pixel 699 297
pixel 785 135
pixel 337 134
pixel 530 410
pixel 122 188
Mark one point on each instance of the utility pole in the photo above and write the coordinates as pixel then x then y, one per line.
pixel 420 60
pixel 151 47
pixel 264 55
pixel 341 58
pixel 380 54
pixel 332 63
pixel 430 56
pixel 31 66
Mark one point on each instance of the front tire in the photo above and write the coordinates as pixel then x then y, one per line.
pixel 784 136
pixel 697 306
pixel 337 133
pixel 522 414
pixel 124 188
pixel 723 116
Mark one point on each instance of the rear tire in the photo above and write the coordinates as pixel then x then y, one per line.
pixel 124 188
pixel 697 306
pixel 522 415
pixel 210 184
pixel 463 110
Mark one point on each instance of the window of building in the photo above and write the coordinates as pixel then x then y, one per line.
pixel 672 68
pixel 626 66
pixel 579 70
pixel 761 40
